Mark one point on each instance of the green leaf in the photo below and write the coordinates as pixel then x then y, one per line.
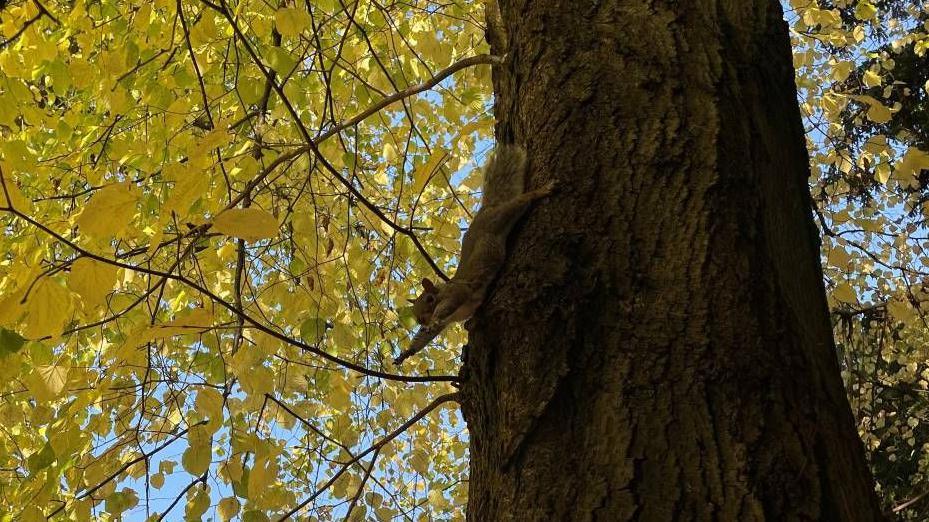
pixel 42 459
pixel 121 501
pixel 10 342
pixel 312 330
pixel 280 60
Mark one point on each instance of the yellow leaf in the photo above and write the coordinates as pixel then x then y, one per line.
pixel 838 257
pixel 244 361
pixel 16 200
pixel 343 337
pixel 250 89
pixel 197 504
pixel 232 469
pixel 209 403
pixel 92 280
pixel 877 112
pixel 436 499
pixel 280 60
pixel 842 69
pixel 261 475
pixel 213 139
pixel 197 456
pixel 913 162
pixel 900 310
pixel 196 321
pixel 340 397
pixel 882 173
pixel 257 381
pixel 47 309
pixel 250 224
pixel 877 145
pixel 64 441
pixel 157 480
pixel 228 508
pixel 865 10
pixel 389 152
pixel 109 211
pixel 428 170
pixel 871 79
pixel 47 382
pixel 291 21
pixel 188 187
pixel 419 461
pixel 858 33
pixel 481 126
pixel 32 513
pixel 845 293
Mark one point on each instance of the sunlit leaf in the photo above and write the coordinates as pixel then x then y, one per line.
pixel 865 10
pixel 228 508
pixel 109 211
pixel 197 456
pixel 47 382
pixel 291 21
pixel 198 501
pixel 47 308
pixel 250 224
pixel 92 280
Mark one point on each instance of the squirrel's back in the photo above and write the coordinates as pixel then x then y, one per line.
pixel 504 175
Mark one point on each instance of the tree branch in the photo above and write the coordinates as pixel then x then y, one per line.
pixel 221 302
pixel 312 145
pixel 373 448
pixel 126 466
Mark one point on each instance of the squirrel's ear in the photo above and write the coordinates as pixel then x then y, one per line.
pixel 428 284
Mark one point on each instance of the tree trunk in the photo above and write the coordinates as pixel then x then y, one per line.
pixel 658 346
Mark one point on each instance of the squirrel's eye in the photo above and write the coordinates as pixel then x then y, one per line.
pixel 430 298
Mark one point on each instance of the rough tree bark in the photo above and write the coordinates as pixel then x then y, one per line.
pixel 658 346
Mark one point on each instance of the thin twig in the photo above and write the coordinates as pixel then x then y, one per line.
pixel 449 397
pixel 221 302
pixel 126 466
pixel 310 142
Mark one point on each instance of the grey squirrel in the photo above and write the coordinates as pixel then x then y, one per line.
pixel 483 249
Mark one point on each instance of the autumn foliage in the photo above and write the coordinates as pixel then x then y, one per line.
pixel 214 212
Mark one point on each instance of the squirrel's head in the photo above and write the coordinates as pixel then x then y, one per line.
pixel 424 304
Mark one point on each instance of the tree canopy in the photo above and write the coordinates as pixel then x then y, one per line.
pixel 214 213
pixel 213 216
pixel 864 86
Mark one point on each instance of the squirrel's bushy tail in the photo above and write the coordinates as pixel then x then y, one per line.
pixel 504 174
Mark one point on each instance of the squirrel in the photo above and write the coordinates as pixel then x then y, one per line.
pixel 483 249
